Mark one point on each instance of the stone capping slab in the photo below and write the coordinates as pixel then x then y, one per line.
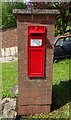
pixel 36 11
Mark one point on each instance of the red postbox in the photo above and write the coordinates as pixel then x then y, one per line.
pixel 36 50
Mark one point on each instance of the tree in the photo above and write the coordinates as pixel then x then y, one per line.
pixel 8 19
pixel 62 20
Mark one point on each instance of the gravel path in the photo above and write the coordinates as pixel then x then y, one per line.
pixel 7 59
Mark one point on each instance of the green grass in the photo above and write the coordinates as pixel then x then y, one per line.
pixel 61 71
pixel 61 83
pixel 9 77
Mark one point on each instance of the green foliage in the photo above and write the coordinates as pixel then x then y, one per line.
pixel 58 26
pixel 0 14
pixel 63 20
pixel 8 18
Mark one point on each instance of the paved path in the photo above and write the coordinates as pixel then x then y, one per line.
pixel 7 59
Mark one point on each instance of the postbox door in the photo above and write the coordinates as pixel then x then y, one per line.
pixel 36 51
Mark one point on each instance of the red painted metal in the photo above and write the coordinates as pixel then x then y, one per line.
pixel 36 50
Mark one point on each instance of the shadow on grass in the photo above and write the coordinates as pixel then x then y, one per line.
pixel 61 94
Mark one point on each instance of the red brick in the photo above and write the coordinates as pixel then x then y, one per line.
pixel 30 110
pixel 22 110
pixel 45 109
pixel 37 109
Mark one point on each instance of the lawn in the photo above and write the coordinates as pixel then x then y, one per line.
pixel 61 71
pixel 9 78
pixel 10 75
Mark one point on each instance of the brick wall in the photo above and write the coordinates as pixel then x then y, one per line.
pixel 9 38
pixel 35 94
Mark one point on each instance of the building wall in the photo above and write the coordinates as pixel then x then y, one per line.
pixel 9 38
pixel 8 42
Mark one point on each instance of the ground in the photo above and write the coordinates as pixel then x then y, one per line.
pixel 61 84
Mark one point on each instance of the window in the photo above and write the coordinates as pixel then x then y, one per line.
pixel 67 39
pixel 59 41
pixel 70 38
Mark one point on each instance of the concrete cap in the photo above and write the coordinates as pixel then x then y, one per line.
pixel 36 11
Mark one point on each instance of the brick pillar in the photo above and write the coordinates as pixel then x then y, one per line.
pixel 35 94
